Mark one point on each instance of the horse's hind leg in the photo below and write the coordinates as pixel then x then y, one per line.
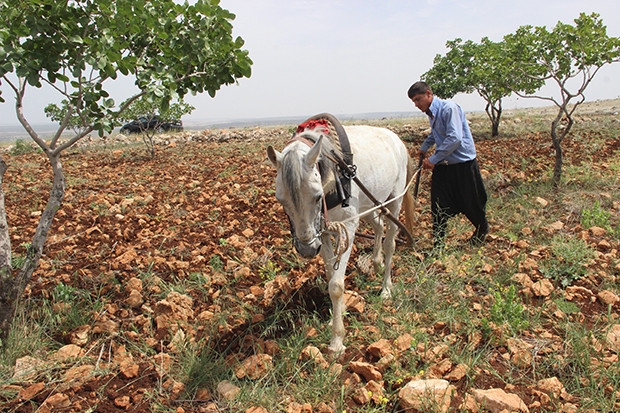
pixel 377 249
pixel 389 246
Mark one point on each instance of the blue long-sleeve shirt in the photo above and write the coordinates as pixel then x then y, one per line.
pixel 450 134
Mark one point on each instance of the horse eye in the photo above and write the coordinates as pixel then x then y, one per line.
pixel 318 198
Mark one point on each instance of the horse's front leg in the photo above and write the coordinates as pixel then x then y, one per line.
pixel 335 268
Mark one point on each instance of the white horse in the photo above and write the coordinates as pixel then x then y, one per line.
pixel 383 167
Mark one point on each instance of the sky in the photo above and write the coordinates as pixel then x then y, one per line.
pixel 360 56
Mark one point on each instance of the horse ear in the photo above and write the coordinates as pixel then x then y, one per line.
pixel 274 156
pixel 314 153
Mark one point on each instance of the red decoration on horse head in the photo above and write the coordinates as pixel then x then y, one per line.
pixel 318 125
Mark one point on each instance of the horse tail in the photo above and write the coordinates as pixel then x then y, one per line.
pixel 408 201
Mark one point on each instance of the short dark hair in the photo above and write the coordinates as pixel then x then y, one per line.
pixel 418 88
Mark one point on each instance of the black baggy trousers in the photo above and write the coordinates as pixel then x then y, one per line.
pixel 455 189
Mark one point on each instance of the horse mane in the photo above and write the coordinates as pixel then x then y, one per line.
pixel 292 166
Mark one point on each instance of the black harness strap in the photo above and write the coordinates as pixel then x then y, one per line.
pixel 343 181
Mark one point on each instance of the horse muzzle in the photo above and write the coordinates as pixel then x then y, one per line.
pixel 307 249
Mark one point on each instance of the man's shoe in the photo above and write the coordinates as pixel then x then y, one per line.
pixel 480 236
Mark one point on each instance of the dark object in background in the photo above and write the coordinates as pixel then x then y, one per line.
pixel 144 124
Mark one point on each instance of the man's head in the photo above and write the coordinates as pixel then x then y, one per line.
pixel 421 95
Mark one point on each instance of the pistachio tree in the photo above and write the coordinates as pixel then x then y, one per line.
pixel 568 56
pixel 470 67
pixel 79 49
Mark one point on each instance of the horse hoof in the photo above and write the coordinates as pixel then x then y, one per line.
pixel 336 351
pixel 386 294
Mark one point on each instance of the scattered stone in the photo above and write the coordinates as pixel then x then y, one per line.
pixel 361 396
pixel 523 279
pixel 79 336
pixel 380 348
pixel 438 370
pixel 542 288
pixel 376 391
pixel 123 402
pixel 31 391
pixel 295 407
pixel 608 297
pixel 613 338
pixel 497 400
pixel 256 409
pixel 58 401
pixel 521 352
pixel 129 370
pixel 255 366
pixel 367 370
pixel 604 245
pixel 70 351
pixel 26 368
pixel 597 231
pixel 552 386
pixel 457 373
pixel 311 353
pixel 404 342
pixel 355 302
pixel 134 284
pixel 385 362
pixel 426 395
pixel 135 299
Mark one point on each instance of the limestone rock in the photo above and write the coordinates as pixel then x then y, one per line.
pixel 227 390
pixel 613 338
pixel 255 366
pixel 367 370
pixel 607 297
pixel 542 288
pixel 497 400
pixel 420 396
pixel 311 353
pixel 380 348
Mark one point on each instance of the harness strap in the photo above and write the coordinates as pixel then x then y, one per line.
pixel 343 182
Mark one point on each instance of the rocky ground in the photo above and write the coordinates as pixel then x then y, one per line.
pixel 144 251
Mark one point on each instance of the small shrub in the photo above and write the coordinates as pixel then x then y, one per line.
pixel 22 147
pixel 595 217
pixel 569 260
pixel 507 310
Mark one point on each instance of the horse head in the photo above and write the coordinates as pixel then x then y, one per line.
pixel 300 191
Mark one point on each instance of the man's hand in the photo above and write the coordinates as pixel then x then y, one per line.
pixel 426 164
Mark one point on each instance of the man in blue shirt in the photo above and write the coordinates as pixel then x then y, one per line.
pixel 456 183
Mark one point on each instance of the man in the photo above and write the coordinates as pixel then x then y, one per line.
pixel 456 183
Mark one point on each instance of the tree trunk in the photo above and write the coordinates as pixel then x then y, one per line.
pixel 557 136
pixel 557 168
pixel 495 128
pixel 12 285
pixel 494 112
pixel 6 269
